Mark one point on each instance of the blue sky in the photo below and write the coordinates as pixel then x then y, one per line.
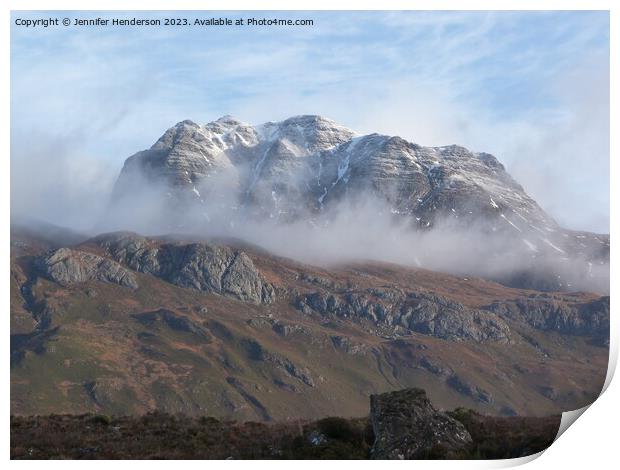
pixel 530 87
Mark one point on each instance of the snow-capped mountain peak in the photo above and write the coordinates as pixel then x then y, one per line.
pixel 304 165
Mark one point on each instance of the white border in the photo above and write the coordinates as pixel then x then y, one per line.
pixel 589 444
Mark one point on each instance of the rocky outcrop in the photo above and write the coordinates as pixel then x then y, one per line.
pixel 437 316
pixel 557 314
pixel 394 312
pixel 257 352
pixel 453 380
pixel 106 392
pixel 66 267
pixel 173 321
pixel 469 389
pixel 398 312
pixel 407 426
pixel 349 346
pixel 202 266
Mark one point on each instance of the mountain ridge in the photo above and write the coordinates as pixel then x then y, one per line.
pixel 305 168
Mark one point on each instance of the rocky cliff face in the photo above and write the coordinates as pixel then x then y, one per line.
pixel 385 311
pixel 552 314
pixel 398 313
pixel 67 267
pixel 202 266
pixel 403 313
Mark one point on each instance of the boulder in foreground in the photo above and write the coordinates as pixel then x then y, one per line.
pixel 407 426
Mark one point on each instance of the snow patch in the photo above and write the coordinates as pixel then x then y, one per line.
pixel 507 220
pixel 556 248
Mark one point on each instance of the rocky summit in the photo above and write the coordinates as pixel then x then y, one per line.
pixel 306 166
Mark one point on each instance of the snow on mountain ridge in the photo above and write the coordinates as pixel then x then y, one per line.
pixel 302 166
pixel 334 157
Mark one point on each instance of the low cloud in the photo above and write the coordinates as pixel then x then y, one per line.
pixel 537 98
pixel 364 229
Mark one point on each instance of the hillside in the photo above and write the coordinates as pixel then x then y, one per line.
pixel 124 324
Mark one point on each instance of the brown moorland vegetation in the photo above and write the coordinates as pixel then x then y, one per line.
pixel 164 436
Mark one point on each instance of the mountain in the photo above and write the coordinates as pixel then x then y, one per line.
pixel 203 321
pixel 124 324
pixel 306 166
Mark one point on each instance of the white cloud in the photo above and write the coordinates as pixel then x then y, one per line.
pixel 537 97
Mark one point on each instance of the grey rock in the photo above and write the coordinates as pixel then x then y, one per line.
pixel 242 280
pixel 407 426
pixel 414 312
pixel 288 329
pixel 105 392
pixel 347 345
pixel 202 266
pixel 435 367
pixel 469 389
pixel 300 373
pixel 558 314
pixel 398 313
pixel 173 321
pixel 548 392
pixel 434 315
pixel 317 280
pixel 66 267
pixel 257 352
pixel 259 322
pixel 91 292
pixel 317 438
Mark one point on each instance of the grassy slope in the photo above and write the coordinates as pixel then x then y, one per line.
pixel 102 358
